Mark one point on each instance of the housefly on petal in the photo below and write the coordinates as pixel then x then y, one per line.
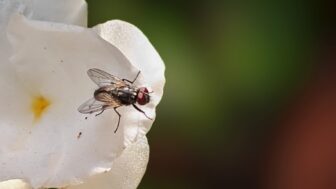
pixel 113 92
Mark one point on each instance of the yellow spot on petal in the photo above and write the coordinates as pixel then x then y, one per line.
pixel 39 106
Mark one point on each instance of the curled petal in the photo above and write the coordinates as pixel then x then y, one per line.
pixel 141 53
pixel 14 184
pixel 126 172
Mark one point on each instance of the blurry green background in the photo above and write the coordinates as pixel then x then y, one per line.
pixel 231 66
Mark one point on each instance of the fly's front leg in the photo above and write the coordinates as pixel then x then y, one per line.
pixel 134 78
pixel 115 109
pixel 137 108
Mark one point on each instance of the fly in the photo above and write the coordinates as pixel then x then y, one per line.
pixel 114 92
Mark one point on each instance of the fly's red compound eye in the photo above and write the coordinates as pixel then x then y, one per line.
pixel 144 90
pixel 143 97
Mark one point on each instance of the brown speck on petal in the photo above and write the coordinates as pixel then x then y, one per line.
pixel 79 135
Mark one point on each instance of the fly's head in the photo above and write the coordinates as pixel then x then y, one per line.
pixel 143 96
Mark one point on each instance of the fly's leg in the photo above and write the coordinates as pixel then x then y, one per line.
pixel 103 109
pixel 137 108
pixel 133 80
pixel 100 112
pixel 115 109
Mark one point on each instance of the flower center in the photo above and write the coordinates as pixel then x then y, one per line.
pixel 39 106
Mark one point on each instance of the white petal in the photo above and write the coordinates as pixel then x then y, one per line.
pixel 126 172
pixel 141 53
pixel 7 8
pixel 14 184
pixel 51 60
pixel 63 11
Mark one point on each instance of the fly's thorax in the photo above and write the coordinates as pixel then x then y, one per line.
pixel 126 95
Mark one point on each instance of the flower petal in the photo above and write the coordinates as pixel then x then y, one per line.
pixel 14 184
pixel 141 53
pixel 62 11
pixel 61 147
pixel 126 172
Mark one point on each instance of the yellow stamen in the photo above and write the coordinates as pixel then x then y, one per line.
pixel 39 106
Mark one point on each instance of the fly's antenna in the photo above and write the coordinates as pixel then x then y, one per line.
pixel 149 92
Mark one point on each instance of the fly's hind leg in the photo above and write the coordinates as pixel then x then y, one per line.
pixel 102 110
pixel 115 109
pixel 119 116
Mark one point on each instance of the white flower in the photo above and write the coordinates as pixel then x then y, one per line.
pixel 14 184
pixel 45 52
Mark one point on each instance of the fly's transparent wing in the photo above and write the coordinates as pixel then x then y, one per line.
pixel 90 106
pixel 102 78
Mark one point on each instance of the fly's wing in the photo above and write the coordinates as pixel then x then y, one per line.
pixel 92 105
pixel 102 78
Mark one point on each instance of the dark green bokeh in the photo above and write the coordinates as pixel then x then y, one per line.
pixel 230 67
